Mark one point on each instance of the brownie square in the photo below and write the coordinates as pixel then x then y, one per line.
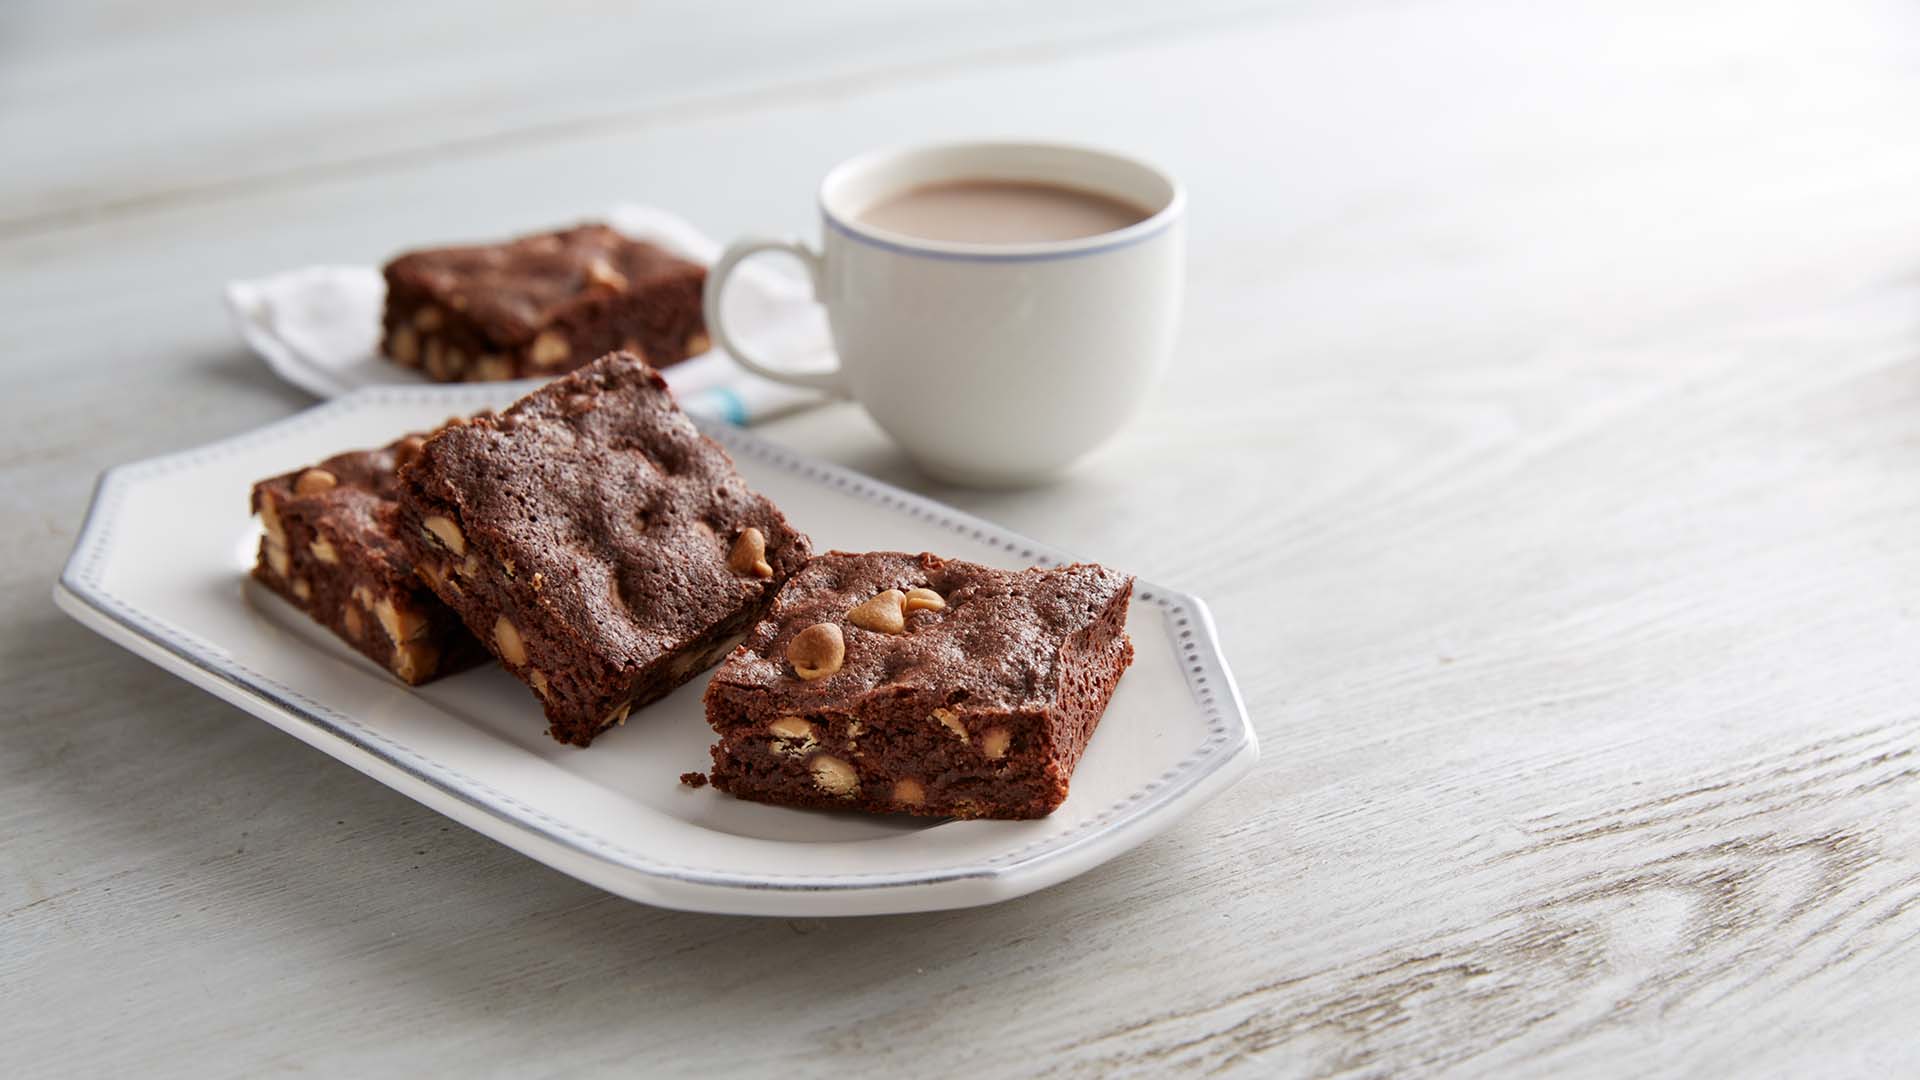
pixel 589 535
pixel 541 305
pixel 912 684
pixel 332 549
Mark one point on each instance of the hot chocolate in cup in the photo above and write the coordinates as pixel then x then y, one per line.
pixel 1000 309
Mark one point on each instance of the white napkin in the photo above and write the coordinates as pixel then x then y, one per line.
pixel 319 328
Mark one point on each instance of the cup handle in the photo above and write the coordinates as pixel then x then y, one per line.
pixel 833 380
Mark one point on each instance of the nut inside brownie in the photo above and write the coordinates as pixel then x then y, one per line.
pixel 541 305
pixel 331 548
pixel 902 683
pixel 602 547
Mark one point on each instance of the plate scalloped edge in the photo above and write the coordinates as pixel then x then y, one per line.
pixel 1229 751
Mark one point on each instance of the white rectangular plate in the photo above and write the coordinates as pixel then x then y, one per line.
pixel 160 568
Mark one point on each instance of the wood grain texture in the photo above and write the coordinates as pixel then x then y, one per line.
pixel 1725 892
pixel 1544 434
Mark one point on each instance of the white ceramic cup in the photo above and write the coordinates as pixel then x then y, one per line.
pixel 990 364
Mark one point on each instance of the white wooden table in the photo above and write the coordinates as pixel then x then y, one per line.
pixel 1545 432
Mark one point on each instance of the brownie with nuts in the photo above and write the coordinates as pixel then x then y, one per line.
pixel 590 536
pixel 332 549
pixel 541 305
pixel 912 684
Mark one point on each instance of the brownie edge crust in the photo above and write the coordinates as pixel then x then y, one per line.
pixel 898 683
pixel 331 548
pixel 595 541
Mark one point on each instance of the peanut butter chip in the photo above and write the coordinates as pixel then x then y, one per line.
pixel 792 735
pixel 834 776
pixel 404 346
pixel 445 363
pixel 270 517
pixel 550 349
pixel 401 624
pixel 749 555
pixel 951 721
pixel 277 557
pixel 923 600
pixel 508 643
pixel 315 481
pixel 600 272
pixel 415 661
pixel 994 743
pixel 790 727
pixel 449 534
pixel 817 652
pixel 884 614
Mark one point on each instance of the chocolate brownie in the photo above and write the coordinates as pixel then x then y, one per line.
pixel 913 684
pixel 541 305
pixel 602 547
pixel 332 549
